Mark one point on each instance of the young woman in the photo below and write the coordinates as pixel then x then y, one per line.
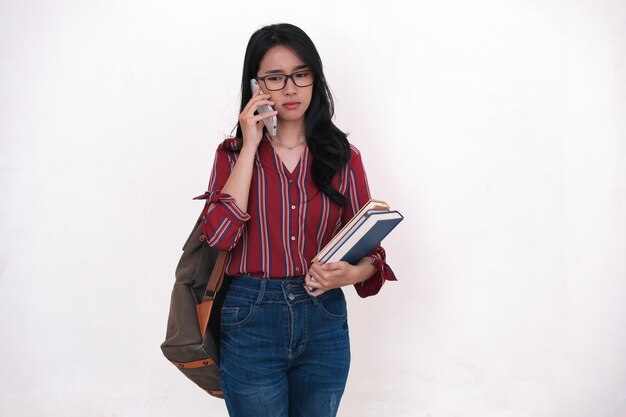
pixel 277 201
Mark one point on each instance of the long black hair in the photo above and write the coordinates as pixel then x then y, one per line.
pixel 328 144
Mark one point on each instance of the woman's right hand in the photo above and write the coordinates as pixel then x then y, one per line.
pixel 251 124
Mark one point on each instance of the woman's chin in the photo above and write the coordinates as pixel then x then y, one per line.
pixel 290 118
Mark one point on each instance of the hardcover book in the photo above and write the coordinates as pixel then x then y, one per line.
pixel 369 226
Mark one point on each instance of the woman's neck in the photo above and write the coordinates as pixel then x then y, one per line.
pixel 290 133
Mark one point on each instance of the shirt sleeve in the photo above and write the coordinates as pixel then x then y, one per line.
pixel 357 194
pixel 223 221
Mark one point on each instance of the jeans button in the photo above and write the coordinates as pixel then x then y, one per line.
pixel 291 296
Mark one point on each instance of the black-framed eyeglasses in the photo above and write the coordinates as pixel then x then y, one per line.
pixel 274 82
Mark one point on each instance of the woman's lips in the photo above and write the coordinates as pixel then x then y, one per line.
pixel 291 106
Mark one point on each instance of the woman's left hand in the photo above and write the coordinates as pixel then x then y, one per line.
pixel 323 277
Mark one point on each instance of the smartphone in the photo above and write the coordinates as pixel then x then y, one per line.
pixel 271 123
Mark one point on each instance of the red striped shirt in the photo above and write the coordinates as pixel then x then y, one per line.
pixel 288 219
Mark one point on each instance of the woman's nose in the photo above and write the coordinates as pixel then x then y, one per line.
pixel 291 86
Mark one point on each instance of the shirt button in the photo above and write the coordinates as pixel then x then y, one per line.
pixel 293 238
pixel 297 268
pixel 291 296
pixel 293 207
pixel 290 180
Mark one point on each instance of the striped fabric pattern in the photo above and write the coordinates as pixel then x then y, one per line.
pixel 288 219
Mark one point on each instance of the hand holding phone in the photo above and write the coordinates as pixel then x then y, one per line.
pixel 271 123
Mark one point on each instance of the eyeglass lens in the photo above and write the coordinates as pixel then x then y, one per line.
pixel 279 81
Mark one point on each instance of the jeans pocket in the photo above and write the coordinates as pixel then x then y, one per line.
pixel 333 304
pixel 236 312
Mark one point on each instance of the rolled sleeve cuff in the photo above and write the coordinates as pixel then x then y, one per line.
pixel 227 201
pixel 373 284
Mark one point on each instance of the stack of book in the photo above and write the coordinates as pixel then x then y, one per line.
pixel 361 234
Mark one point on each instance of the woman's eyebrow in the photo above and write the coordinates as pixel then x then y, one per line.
pixel 296 68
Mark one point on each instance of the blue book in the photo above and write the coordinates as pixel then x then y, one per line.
pixel 363 236
pixel 343 235
pixel 372 204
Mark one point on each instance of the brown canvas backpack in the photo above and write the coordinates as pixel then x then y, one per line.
pixel 192 339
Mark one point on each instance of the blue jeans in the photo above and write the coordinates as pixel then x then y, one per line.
pixel 283 352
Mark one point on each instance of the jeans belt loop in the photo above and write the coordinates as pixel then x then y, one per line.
pixel 262 285
pixel 314 299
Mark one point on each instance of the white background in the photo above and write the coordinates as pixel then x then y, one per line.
pixel 496 127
